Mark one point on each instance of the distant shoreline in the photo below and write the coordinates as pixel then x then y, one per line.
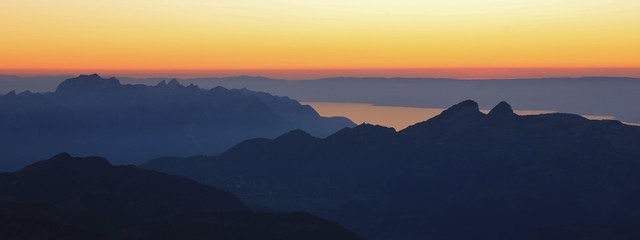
pixel 400 117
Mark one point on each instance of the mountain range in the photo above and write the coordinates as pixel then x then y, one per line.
pixel 596 96
pixel 68 197
pixel 460 175
pixel 91 115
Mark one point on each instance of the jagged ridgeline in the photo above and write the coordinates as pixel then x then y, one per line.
pixel 460 175
pixel 90 115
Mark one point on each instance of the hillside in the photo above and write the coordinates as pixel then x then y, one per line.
pixel 87 198
pixel 90 115
pixel 463 174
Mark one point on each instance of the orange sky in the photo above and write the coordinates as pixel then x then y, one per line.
pixel 304 74
pixel 231 35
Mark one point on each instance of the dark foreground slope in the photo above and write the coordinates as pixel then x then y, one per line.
pixel 89 115
pixel 460 175
pixel 87 198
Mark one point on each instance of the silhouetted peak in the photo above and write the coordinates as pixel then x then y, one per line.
pixel 464 112
pixel 66 158
pixel 503 109
pixel 192 87
pixel 95 76
pixel 295 135
pixel 364 130
pixel 174 83
pixel 65 163
pixel 457 118
pixel 63 155
pixel 464 108
pixel 12 93
pixel 27 92
pixel 88 82
pixel 218 89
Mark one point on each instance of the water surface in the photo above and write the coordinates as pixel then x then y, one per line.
pixel 396 117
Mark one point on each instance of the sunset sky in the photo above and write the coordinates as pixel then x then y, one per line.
pixel 319 34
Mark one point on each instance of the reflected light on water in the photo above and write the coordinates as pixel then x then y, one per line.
pixel 396 117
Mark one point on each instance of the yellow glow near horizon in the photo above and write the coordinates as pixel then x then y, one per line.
pixel 291 34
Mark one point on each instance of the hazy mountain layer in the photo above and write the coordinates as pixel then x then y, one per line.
pixel 599 96
pixel 90 115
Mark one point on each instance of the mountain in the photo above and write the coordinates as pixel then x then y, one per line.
pixel 460 175
pixel 127 123
pixel 93 184
pixel 87 198
pixel 594 96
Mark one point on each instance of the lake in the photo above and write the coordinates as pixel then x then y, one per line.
pixel 396 117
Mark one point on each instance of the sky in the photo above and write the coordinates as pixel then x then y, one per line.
pixel 342 35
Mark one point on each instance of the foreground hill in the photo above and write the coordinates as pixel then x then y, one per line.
pixel 87 198
pixel 461 175
pixel 90 115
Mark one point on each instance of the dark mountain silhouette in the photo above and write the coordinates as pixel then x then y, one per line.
pixel 460 175
pixel 87 198
pixel 92 184
pixel 90 115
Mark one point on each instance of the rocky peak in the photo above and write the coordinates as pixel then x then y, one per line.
pixel 502 110
pixel 295 135
pixel 88 83
pixel 174 83
pixel 458 118
pixel 465 108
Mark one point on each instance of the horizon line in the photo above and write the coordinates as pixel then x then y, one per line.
pixel 462 73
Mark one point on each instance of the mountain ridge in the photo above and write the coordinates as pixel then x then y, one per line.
pixel 68 197
pixel 593 96
pixel 463 174
pixel 91 115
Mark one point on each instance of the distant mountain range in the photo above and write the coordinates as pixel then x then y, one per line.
pixel 461 175
pixel 88 198
pixel 90 115
pixel 599 96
